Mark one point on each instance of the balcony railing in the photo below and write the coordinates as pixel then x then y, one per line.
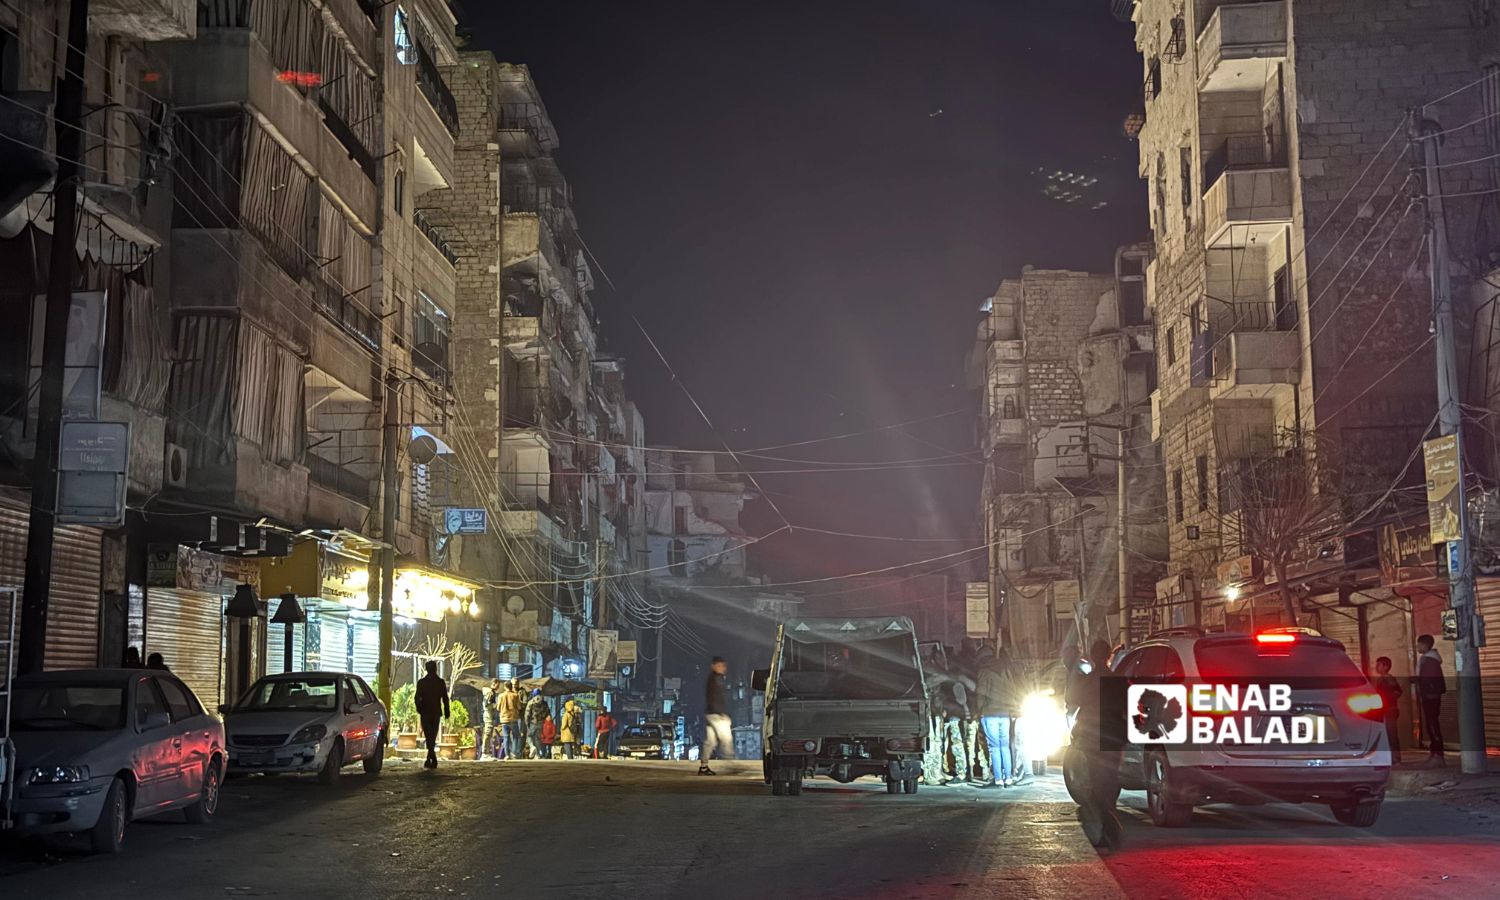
pixel 1244 151
pixel 424 224
pixel 327 472
pixel 347 312
pixel 529 118
pixel 430 82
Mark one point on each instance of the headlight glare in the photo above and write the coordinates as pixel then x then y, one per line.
pixel 59 775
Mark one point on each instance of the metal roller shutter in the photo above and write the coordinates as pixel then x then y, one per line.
pixel 73 604
pixel 186 628
pixel 333 642
pixel 1342 624
pixel 1487 596
pixel 275 642
pixel 365 659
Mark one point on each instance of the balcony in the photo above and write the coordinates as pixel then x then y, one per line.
pixel 348 313
pixel 420 218
pixel 1256 365
pixel 525 130
pixel 145 20
pixel 535 522
pixel 1238 43
pixel 1249 194
pixel 432 86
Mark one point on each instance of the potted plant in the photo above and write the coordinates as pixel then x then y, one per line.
pixel 460 732
pixel 404 717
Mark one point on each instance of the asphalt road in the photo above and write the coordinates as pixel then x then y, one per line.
pixel 640 830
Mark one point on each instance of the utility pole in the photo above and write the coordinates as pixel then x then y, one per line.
pixel 68 124
pixel 1122 495
pixel 1450 421
pixel 391 433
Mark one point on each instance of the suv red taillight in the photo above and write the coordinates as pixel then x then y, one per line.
pixel 1369 705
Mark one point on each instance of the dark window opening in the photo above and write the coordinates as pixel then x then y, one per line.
pixel 1172 346
pixel 398 198
pixel 1282 301
pixel 1202 466
pixel 1177 495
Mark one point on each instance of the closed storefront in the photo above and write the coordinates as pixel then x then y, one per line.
pixel 364 645
pixel 276 642
pixel 1487 591
pixel 187 629
pixel 73 603
pixel 329 627
pixel 186 592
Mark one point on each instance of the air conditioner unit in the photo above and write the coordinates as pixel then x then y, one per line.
pixel 175 469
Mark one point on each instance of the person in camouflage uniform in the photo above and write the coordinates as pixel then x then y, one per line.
pixel 948 692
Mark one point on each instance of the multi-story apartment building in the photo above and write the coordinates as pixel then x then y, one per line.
pixel 1063 360
pixel 554 445
pixel 1288 288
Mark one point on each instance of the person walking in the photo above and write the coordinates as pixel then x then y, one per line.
pixel 572 728
pixel 549 736
pixel 431 700
pixel 1390 697
pixel 1431 686
pixel 604 726
pixel 508 711
pixel 717 732
pixel 535 716
pixel 999 703
pixel 491 734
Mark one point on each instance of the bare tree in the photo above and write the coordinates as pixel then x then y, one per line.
pixel 1281 503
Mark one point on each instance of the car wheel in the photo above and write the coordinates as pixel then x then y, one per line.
pixel 1360 813
pixel 1166 808
pixel 108 834
pixel 376 760
pixel 208 798
pixel 909 785
pixel 329 774
pixel 778 788
pixel 893 785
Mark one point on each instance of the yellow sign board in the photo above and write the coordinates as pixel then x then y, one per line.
pixel 1443 514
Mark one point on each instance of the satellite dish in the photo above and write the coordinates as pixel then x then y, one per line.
pixel 422 449
pixel 515 604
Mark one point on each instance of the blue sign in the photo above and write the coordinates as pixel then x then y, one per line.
pixel 465 521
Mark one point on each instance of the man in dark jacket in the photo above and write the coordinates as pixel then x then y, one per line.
pixel 717 733
pixel 431 700
pixel 1431 686
pixel 1099 733
pixel 1390 698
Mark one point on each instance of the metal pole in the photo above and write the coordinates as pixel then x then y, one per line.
pixel 67 121
pixel 1450 421
pixel 286 647
pixel 392 432
pixel 1122 495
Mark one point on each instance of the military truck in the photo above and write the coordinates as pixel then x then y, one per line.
pixel 844 698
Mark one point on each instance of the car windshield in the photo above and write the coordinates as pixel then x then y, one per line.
pixel 68 707
pixel 1308 665
pixel 290 694
pixel 643 731
pixel 878 669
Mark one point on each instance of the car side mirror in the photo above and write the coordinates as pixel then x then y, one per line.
pixel 758 679
pixel 156 719
pixel 350 707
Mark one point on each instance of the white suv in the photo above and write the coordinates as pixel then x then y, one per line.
pixel 1348 769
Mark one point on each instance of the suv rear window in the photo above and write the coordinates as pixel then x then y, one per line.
pixel 1312 664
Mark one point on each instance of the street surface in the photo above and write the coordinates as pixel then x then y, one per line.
pixel 611 829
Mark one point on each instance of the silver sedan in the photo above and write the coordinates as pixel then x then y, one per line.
pixel 306 722
pixel 97 748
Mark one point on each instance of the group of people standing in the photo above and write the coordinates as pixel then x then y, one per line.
pixel 518 725
pixel 1430 684
pixel 976 700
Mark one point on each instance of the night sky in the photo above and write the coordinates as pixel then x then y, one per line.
pixel 774 194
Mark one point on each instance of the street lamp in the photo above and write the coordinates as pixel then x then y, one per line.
pixel 245 606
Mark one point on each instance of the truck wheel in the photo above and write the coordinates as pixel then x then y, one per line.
pixel 778 788
pixel 892 785
pixel 1039 767
pixel 909 785
pixel 794 784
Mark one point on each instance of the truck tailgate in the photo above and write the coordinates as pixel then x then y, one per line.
pixel 849 718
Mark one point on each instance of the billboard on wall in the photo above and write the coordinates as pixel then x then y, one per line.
pixel 977 610
pixel 604 654
pixel 1441 458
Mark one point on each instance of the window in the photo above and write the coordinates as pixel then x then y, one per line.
pixel 1172 346
pixel 367 696
pixel 351 693
pixel 431 329
pixel 677 556
pixel 1186 174
pixel 1161 193
pixel 1008 408
pixel 1177 494
pixel 10 61
pixel 1283 304
pixel 1176 47
pixel 318 693
pixel 406 45
pixel 148 702
pixel 178 700
pixel 679 520
pixel 1202 466
pixel 1153 79
pixel 398 193
pixel 1195 318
